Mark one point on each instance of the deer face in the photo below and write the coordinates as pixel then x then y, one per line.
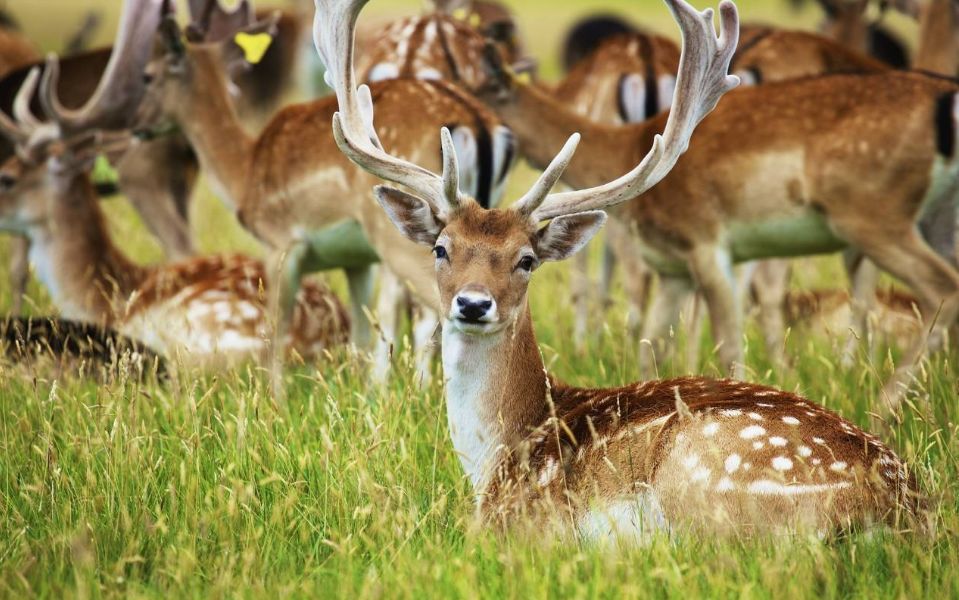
pixel 485 258
pixel 22 195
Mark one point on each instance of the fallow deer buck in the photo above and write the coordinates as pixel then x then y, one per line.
pixel 788 169
pixel 209 310
pixel 157 177
pixel 674 455
pixel 304 200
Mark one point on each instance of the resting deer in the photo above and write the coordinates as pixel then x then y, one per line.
pixel 789 169
pixel 209 310
pixel 445 44
pixel 688 453
pixel 304 200
pixel 157 177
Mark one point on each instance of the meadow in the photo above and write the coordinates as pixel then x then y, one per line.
pixel 207 486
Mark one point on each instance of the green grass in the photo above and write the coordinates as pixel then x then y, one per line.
pixel 207 488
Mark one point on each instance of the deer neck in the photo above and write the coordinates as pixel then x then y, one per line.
pixel 212 126
pixel 88 278
pixel 849 28
pixel 496 393
pixel 937 50
pixel 542 124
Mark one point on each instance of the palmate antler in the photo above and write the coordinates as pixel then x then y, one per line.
pixel 113 104
pixel 702 80
pixel 334 26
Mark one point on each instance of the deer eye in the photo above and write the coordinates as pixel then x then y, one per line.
pixel 526 263
pixel 440 252
pixel 7 181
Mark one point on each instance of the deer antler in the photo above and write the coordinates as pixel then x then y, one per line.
pixel 120 89
pixel 334 26
pixel 701 82
pixel 20 129
pixel 210 22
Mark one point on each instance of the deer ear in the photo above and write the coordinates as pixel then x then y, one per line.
pixel 412 216
pixel 566 235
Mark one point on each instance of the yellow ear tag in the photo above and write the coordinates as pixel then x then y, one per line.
pixel 525 78
pixel 475 20
pixel 459 14
pixel 254 45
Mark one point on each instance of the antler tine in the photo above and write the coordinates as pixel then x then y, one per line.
pixel 119 91
pixel 19 129
pixel 334 26
pixel 21 103
pixel 702 80
pixel 532 199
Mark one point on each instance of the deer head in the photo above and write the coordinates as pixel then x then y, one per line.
pixel 214 49
pixel 46 161
pixel 484 258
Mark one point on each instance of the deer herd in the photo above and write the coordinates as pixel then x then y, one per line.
pixel 717 162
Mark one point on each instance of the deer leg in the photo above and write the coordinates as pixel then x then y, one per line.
pixel 389 301
pixel 864 280
pixel 425 324
pixel 581 286
pixel 283 284
pixel 656 341
pixel 19 272
pixel 769 283
pixel 711 268
pixel 360 281
pixel 636 275
pixel 935 282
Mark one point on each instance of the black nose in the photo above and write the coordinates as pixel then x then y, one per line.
pixel 473 309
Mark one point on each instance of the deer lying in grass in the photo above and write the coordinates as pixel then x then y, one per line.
pixel 210 310
pixel 795 168
pixel 671 455
pixel 303 201
pixel 446 44
pixel 75 347
pixel 157 177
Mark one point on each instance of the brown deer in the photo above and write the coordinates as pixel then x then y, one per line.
pixel 622 463
pixel 938 49
pixel 158 177
pixel 305 201
pixel 629 78
pixel 446 44
pixel 209 310
pixel 846 21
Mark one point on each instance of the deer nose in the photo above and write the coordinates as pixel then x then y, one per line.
pixel 473 306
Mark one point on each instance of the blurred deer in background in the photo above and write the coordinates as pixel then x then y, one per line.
pixel 209 310
pixel 305 201
pixel 625 463
pixel 797 168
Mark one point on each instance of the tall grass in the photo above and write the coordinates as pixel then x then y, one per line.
pixel 208 487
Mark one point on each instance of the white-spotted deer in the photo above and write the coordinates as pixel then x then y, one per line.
pixel 305 201
pixel 788 169
pixel 628 79
pixel 445 44
pixel 157 177
pixel 209 310
pixel 670 455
